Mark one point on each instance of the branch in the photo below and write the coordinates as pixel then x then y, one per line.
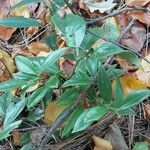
pixel 62 117
pixel 117 12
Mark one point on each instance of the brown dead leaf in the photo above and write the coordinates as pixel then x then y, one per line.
pixel 130 83
pixel 125 64
pixel 17 138
pixel 6 33
pixel 135 38
pixel 137 2
pixel 141 16
pixel 51 112
pixel 144 74
pixel 37 47
pixel 147 112
pixel 101 144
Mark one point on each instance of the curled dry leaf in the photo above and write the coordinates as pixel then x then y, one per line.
pixel 37 47
pixel 101 144
pixel 102 6
pixel 51 112
pixel 147 112
pixel 144 73
pixel 137 2
pixel 130 83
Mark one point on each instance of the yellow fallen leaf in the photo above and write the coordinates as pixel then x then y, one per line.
pixel 130 83
pixel 7 66
pixel 144 74
pixel 51 112
pixel 101 144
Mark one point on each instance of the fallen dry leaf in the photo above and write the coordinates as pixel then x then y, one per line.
pixel 51 112
pixel 6 33
pixel 17 138
pixel 7 66
pixel 144 73
pixel 147 112
pixel 37 47
pixel 130 83
pixel 141 16
pixel 137 2
pixel 101 144
pixel 135 38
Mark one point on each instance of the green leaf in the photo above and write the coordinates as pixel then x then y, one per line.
pixel 5 132
pixel 13 110
pixel 25 138
pixel 107 49
pixel 91 65
pixel 52 58
pixel 141 146
pixel 71 121
pixel 81 124
pixel 128 111
pixel 26 2
pixel 19 22
pixel 79 78
pixel 27 147
pixel 68 97
pixel 52 82
pixel 94 113
pixel 130 57
pixel 118 94
pixel 37 96
pixel 12 84
pixel 104 84
pixel 71 26
pixel 25 65
pixel 134 98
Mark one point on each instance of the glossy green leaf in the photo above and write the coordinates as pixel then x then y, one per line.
pixel 128 111
pixel 25 65
pixel 118 94
pixel 107 49
pixel 79 78
pixel 25 138
pixel 130 57
pixel 68 97
pixel 104 84
pixel 91 65
pixel 134 98
pixel 12 111
pixel 71 121
pixel 52 58
pixel 141 146
pixel 71 26
pixel 52 82
pixel 80 123
pixel 27 147
pixel 19 22
pixel 94 113
pixel 12 84
pixel 26 2
pixel 37 96
pixel 6 131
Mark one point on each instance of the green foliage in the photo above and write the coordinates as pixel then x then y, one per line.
pixel 141 146
pixel 89 63
pixel 19 22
